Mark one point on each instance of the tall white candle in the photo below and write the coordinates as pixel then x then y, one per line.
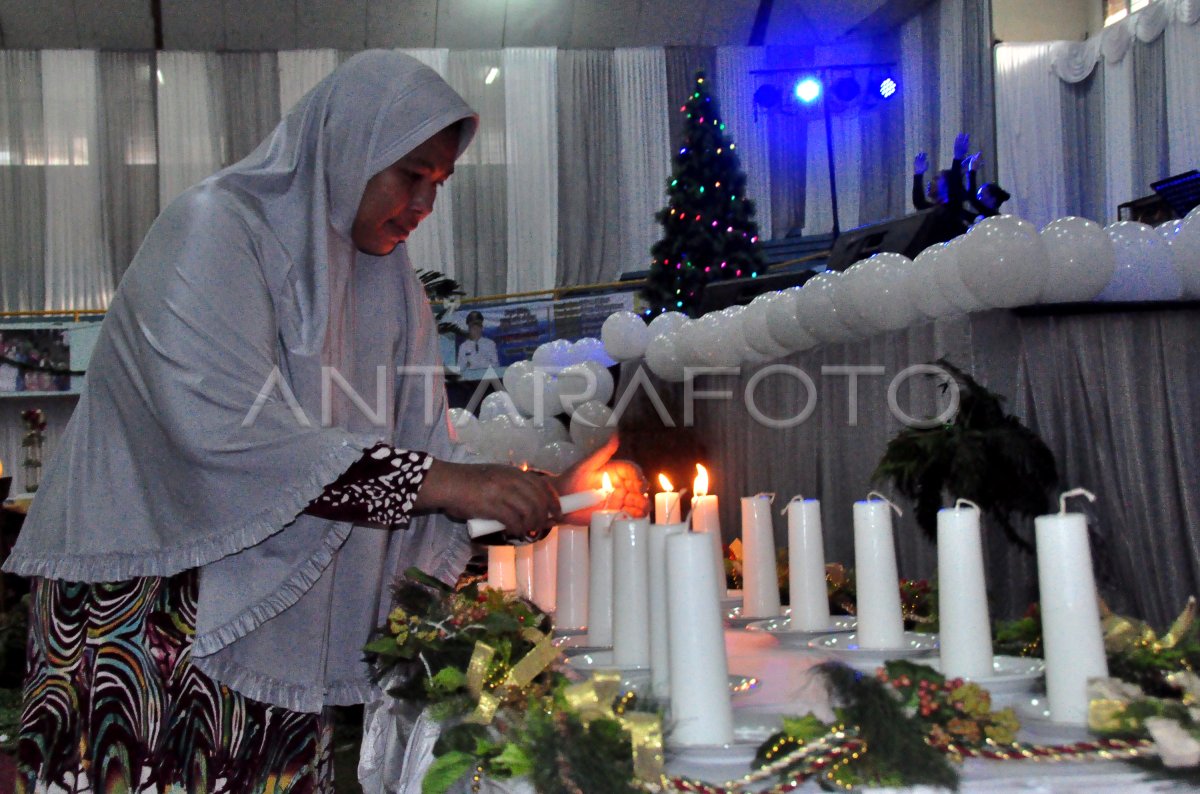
pixel 667 508
pixel 806 566
pixel 700 708
pixel 545 571
pixel 964 629
pixel 660 669
pixel 631 592
pixel 502 568
pixel 524 559
pixel 706 519
pixel 572 577
pixel 880 620
pixel 1071 633
pixel 600 579
pixel 760 580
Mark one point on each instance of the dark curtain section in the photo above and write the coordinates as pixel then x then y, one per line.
pixel 22 183
pixel 682 64
pixel 979 90
pixel 251 83
pixel 1150 144
pixel 884 191
pixel 589 222
pixel 128 138
pixel 788 135
pixel 931 33
pixel 1114 396
pixel 1083 145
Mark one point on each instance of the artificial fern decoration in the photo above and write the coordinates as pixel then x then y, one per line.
pixel 982 454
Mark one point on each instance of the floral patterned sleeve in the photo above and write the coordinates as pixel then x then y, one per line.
pixel 379 488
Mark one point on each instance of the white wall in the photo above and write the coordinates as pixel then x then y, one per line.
pixel 1046 20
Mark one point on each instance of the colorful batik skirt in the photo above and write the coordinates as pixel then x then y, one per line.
pixel 112 702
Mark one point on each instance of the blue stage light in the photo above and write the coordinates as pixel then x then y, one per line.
pixel 888 87
pixel 808 89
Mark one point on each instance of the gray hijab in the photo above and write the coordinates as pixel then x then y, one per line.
pixel 202 433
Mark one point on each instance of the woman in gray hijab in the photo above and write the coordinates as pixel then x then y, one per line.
pixel 262 445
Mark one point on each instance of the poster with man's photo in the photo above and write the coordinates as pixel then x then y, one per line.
pixel 34 360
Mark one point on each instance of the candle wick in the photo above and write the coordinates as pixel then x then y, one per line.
pixel 1062 499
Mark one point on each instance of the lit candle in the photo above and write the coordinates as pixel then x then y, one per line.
pixel 545 571
pixel 700 708
pixel 964 630
pixel 502 568
pixel 760 580
pixel 706 518
pixel 666 503
pixel 478 527
pixel 1071 633
pixel 806 565
pixel 880 621
pixel 524 558
pixel 600 574
pixel 631 596
pixel 660 666
pixel 572 578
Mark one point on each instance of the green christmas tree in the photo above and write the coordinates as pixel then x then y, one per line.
pixel 709 233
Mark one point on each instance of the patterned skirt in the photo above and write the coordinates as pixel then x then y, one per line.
pixel 112 702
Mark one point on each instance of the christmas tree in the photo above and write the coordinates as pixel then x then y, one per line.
pixel 709 231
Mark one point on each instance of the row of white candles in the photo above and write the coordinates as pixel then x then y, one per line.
pixel 627 566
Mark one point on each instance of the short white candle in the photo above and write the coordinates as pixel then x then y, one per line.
pixel 760 579
pixel 964 628
pixel 572 577
pixel 600 579
pixel 1071 634
pixel 700 708
pixel 880 620
pixel 706 517
pixel 667 503
pixel 660 667
pixel 631 592
pixel 545 571
pixel 806 566
pixel 524 558
pixel 502 568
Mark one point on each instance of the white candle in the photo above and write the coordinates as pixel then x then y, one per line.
pixel 880 621
pixel 1071 633
pixel 706 519
pixel 572 578
pixel 478 527
pixel 806 566
pixel 964 629
pixel 545 571
pixel 667 503
pixel 600 579
pixel 502 568
pixel 700 708
pixel 660 666
pixel 631 592
pixel 524 559
pixel 760 580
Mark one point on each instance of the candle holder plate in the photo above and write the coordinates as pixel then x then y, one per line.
pixel 1033 712
pixel 1010 674
pixel 781 629
pixel 846 647
pixel 731 599
pixel 750 730
pixel 637 679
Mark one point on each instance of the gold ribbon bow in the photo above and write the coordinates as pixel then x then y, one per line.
pixel 1126 634
pixel 594 698
pixel 521 674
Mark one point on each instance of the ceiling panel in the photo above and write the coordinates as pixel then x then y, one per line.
pixel 117 25
pixel 729 22
pixel 411 24
pixel 193 25
pixel 261 25
pixel 46 25
pixel 611 24
pixel 470 24
pixel 340 24
pixel 538 23
pixel 677 23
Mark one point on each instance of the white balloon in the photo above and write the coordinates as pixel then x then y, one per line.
pixel 949 278
pixel 553 430
pixel 551 399
pixel 783 324
pixel 1080 257
pixel 509 441
pixel 625 336
pixel 687 340
pixel 585 381
pixel 1185 251
pixel 841 291
pixel 816 312
pixel 666 322
pixel 589 425
pixel 1003 262
pixel 1144 268
pixel 735 319
pixel 466 427
pixel 519 383
pixel 663 359
pixel 553 354
pixel 877 291
pixel 756 326
pixel 711 341
pixel 558 456
pixel 920 283
pixel 590 349
pixel 498 403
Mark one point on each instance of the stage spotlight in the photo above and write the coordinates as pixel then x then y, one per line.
pixel 768 96
pixel 846 89
pixel 888 87
pixel 808 89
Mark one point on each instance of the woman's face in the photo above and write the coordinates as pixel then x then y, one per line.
pixel 402 195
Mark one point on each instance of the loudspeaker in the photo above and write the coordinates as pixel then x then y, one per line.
pixel 909 235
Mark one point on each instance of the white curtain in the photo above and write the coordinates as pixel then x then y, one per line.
pixel 431 245
pixel 735 87
pixel 919 132
pixel 644 145
pixel 1029 132
pixel 847 158
pixel 77 262
pixel 950 79
pixel 189 130
pixel 299 71
pixel 530 94
pixel 1118 134
pixel 1183 94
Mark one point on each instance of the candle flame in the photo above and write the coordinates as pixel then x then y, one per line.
pixel 665 483
pixel 606 484
pixel 524 467
pixel 700 484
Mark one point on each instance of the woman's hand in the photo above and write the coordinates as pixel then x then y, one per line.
pixel 629 484
pixel 524 501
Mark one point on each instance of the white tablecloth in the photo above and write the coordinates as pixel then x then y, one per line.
pixel 390 764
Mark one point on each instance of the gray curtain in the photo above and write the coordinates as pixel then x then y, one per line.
pixel 22 183
pixel 128 138
pixel 589 220
pixel 1150 146
pixel 882 195
pixel 1083 145
pixel 1115 396
pixel 979 91
pixel 250 81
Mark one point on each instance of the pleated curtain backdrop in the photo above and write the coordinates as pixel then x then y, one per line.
pixel 22 183
pixel 735 87
pixel 300 70
pixel 1183 92
pixel 189 142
